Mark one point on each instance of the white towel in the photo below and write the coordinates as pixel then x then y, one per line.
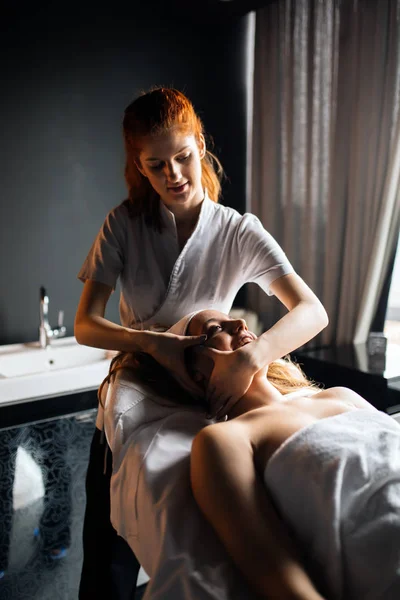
pixel 181 327
pixel 337 485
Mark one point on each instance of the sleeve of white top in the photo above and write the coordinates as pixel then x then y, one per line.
pixel 262 259
pixel 105 260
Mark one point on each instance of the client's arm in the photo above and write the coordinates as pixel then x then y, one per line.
pixel 234 500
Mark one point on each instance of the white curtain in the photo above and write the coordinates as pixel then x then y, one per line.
pixel 325 166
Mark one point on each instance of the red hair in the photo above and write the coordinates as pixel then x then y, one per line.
pixel 155 113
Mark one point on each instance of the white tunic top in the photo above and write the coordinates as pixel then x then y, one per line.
pixel 160 284
pixel 152 505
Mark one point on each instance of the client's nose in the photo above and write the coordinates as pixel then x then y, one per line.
pixel 239 325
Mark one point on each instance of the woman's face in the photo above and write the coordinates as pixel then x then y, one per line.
pixel 172 163
pixel 223 333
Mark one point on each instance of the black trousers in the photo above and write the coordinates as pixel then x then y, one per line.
pixel 110 568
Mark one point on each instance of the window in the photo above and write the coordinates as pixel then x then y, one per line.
pixel 392 322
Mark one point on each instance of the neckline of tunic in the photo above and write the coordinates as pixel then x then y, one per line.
pixel 170 221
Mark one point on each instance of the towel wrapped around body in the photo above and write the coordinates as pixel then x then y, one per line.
pixel 336 483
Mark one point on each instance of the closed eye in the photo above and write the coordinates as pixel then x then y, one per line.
pixel 213 329
pixel 160 165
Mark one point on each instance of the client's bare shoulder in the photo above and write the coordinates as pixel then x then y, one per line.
pixel 268 427
pixel 331 401
pixel 262 430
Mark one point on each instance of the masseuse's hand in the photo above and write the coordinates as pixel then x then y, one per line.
pixel 168 350
pixel 230 378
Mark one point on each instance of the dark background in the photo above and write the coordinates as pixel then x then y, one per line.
pixel 67 73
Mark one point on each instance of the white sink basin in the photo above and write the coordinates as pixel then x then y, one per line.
pixel 28 360
pixel 30 372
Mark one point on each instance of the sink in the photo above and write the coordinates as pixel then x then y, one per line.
pixel 27 360
pixel 29 372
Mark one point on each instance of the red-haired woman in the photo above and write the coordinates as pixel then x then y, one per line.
pixel 174 250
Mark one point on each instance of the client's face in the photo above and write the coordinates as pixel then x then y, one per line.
pixel 223 333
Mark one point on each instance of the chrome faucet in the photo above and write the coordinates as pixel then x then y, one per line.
pixel 46 333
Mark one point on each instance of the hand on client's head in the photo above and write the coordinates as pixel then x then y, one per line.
pixel 169 350
pixel 200 364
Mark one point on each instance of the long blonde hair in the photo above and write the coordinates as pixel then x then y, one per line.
pixel 153 113
pixel 284 374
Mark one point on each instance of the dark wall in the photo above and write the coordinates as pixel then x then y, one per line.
pixel 66 79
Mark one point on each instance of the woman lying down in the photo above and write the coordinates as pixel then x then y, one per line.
pixel 303 489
